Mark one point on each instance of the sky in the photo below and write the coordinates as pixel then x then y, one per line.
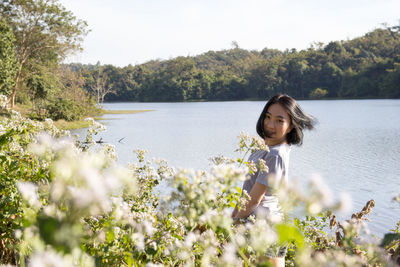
pixel 124 32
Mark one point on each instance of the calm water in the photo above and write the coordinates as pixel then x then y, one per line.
pixel 355 146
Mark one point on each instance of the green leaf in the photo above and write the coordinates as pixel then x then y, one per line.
pixel 151 251
pixel 289 233
pixel 238 189
pixel 389 238
pixel 110 236
pixel 48 227
pixel 296 222
pixel 4 137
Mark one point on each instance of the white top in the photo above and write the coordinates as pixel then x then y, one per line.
pixel 277 161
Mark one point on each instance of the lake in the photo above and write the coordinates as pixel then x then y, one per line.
pixel 355 146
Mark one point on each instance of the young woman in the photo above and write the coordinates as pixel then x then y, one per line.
pixel 281 125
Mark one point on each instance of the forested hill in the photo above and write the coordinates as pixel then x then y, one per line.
pixel 364 67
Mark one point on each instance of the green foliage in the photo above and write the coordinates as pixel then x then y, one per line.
pixel 65 109
pixel 366 66
pixel 42 34
pixel 45 32
pixel 391 243
pixel 18 164
pixel 43 85
pixel 8 61
pixel 315 230
pixel 318 93
pixel 289 233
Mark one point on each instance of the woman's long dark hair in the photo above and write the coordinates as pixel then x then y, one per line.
pixel 298 118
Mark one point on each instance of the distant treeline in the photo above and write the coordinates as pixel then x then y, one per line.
pixel 36 36
pixel 364 67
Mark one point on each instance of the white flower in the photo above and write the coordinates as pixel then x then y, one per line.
pixel 190 239
pixel 18 234
pixel 138 238
pixel 221 160
pixel 148 227
pixel 252 167
pixel 109 150
pixel 183 255
pixel 261 235
pixel 314 207
pixel 259 144
pixel 229 255
pixel 2 129
pixel 208 216
pixel 48 259
pixel 28 191
pixel 223 171
pixel 3 101
pixel 153 245
pixel 15 114
pixel 262 166
pixel 240 240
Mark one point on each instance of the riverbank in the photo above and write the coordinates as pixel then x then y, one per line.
pixel 72 125
pixel 78 124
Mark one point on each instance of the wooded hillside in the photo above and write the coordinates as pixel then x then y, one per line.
pixel 364 67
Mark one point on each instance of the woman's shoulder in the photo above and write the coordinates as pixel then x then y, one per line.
pixel 279 149
pixel 257 154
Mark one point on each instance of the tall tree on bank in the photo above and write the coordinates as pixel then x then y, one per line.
pixel 102 85
pixel 8 61
pixel 45 33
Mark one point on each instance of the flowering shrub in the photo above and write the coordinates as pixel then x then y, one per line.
pixel 65 202
pixel 3 102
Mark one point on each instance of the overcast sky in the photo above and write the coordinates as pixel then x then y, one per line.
pixel 134 31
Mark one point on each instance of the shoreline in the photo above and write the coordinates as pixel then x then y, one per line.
pixel 254 100
pixel 73 125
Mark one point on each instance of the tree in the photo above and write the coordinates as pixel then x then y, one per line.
pixel 8 61
pixel 102 85
pixel 331 77
pixel 318 93
pixel 45 33
pixel 367 66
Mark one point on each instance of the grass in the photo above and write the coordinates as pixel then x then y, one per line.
pixel 71 125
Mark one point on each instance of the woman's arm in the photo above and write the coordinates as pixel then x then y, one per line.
pixel 256 195
pixel 234 212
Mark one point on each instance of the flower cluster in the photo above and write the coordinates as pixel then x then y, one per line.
pixel 3 102
pixel 70 204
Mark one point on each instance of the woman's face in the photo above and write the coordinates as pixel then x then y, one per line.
pixel 277 125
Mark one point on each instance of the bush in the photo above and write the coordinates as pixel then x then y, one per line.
pixel 18 164
pixel 65 109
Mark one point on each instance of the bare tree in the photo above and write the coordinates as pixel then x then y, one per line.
pixel 102 85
